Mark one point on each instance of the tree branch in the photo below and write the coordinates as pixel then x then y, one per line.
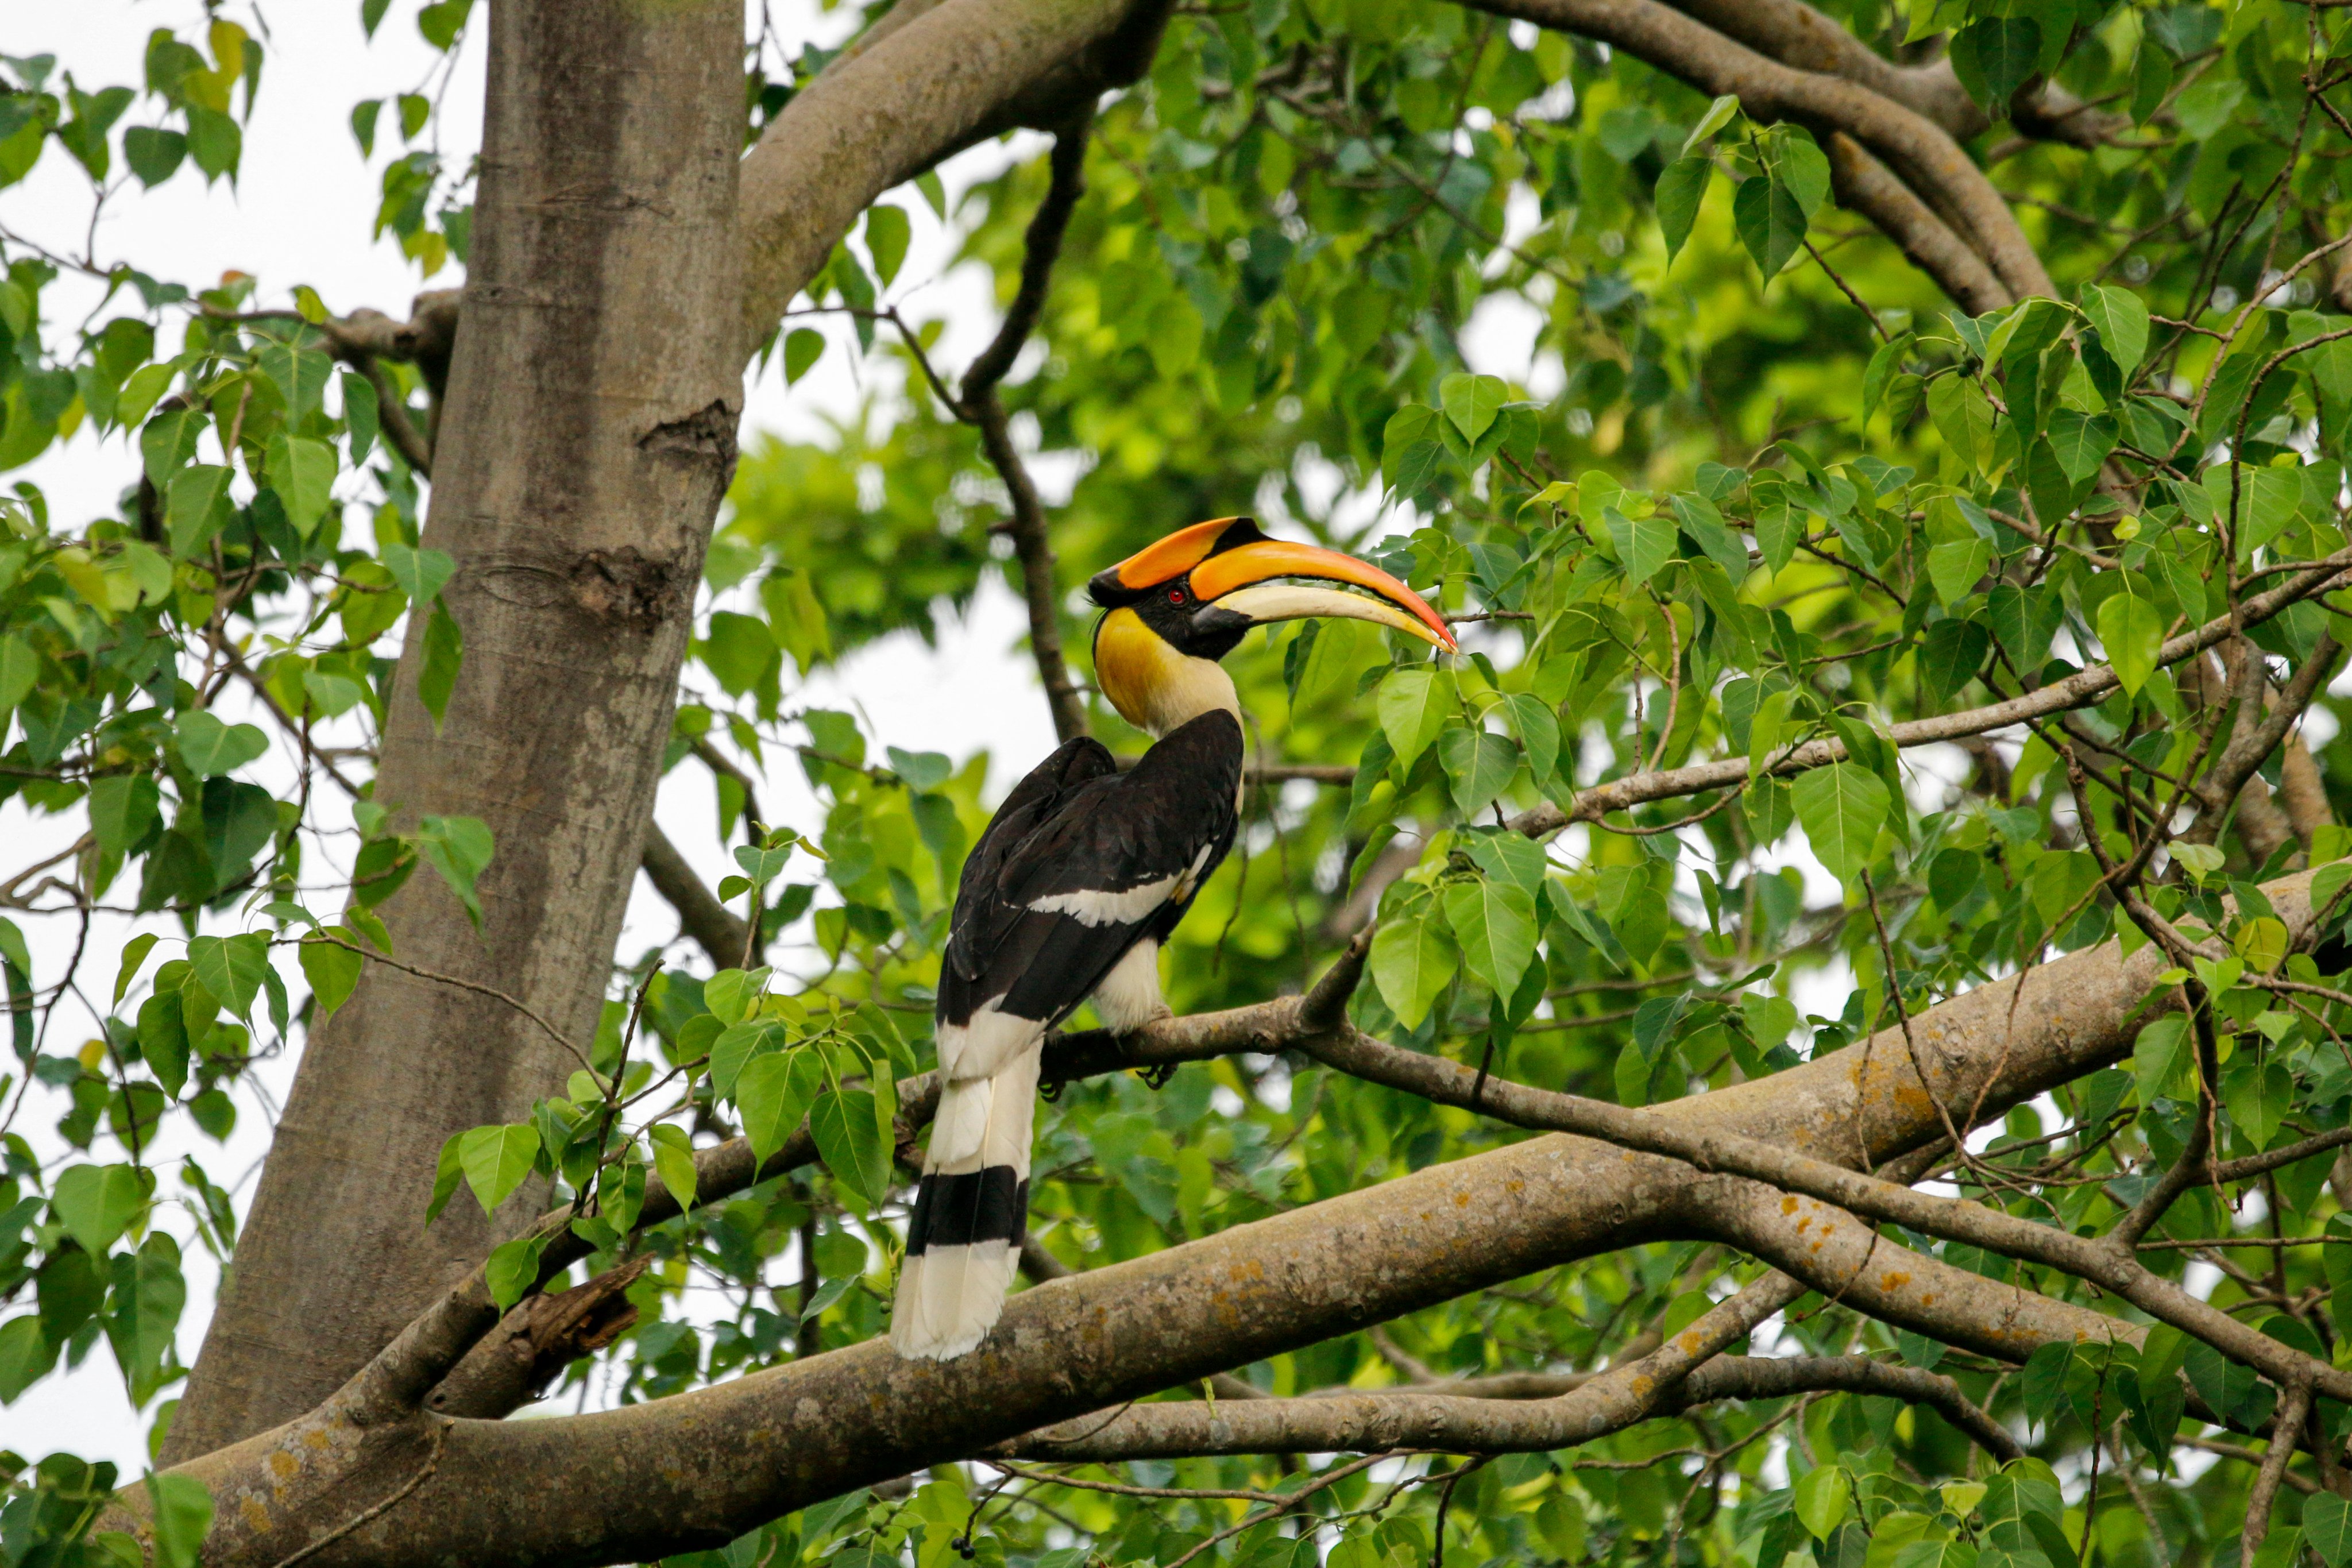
pixel 1797 35
pixel 716 928
pixel 1921 151
pixel 914 92
pixel 1367 1422
pixel 1031 542
pixel 1441 1417
pixel 2081 690
pixel 1863 184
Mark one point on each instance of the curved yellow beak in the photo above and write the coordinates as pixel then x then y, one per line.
pixel 1243 580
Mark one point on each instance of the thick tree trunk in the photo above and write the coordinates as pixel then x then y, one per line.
pixel 587 438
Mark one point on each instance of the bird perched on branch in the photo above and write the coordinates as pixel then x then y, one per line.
pixel 1082 875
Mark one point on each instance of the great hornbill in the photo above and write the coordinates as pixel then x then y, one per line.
pixel 1084 872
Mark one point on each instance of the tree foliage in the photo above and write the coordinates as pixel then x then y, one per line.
pixel 1833 650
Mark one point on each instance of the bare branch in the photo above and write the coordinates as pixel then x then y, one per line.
pixel 1359 1423
pixel 978 403
pixel 714 928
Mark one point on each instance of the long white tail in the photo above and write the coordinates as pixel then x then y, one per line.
pixel 971 1211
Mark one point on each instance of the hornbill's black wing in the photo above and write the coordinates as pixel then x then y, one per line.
pixel 1081 864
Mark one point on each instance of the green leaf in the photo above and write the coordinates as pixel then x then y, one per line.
pixel 773 1093
pixel 230 968
pixel 673 1161
pixel 167 442
pixel 1680 190
pixel 763 865
pixel 134 954
pixel 446 1173
pixel 1495 922
pixel 123 809
pixel 2024 620
pixel 843 1123
pixel 886 232
pixel 212 748
pixel 1412 962
pixel 445 651
pixel 365 113
pixel 182 1513
pixel 2131 628
pixel 363 417
pixel 920 770
pixel 803 347
pixel 2082 441
pixel 1718 115
pixel 1471 402
pixel 2327 1526
pixel 1478 765
pixel 2121 318
pixel 422 574
pixel 302 472
pixel 1957 566
pixel 153 153
pixel 1799 165
pixel 513 1268
pixel 495 1161
pixel 1822 1499
pixel 1842 806
pixel 1994 57
pixel 1643 544
pixel 334 971
pixel 25 1356
pixel 1511 857
pixel 2258 1094
pixel 2158 1057
pixel 95 1203
pixel 195 507
pixel 1538 727
pixel 1770 222
pixel 19 666
pixel 1414 703
pixel 459 848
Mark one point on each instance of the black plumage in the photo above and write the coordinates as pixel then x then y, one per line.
pixel 1076 825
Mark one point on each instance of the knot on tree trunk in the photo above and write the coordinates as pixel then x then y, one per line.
pixel 707 434
pixel 627 587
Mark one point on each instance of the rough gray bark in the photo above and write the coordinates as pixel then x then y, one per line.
pixel 589 433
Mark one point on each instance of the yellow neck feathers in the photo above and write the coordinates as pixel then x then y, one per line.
pixel 1154 687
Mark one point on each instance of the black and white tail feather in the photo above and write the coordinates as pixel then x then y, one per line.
pixel 1081 875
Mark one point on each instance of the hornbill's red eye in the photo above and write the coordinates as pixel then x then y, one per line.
pixel 1175 595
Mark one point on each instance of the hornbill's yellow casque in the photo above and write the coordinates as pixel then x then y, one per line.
pixel 1084 872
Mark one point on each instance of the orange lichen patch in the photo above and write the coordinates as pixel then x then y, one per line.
pixel 1891 1282
pixel 1804 1224
pixel 1514 1185
pixel 1252 1269
pixel 283 1465
pixel 1928 1300
pixel 318 1437
pixel 256 1518
pixel 1689 1343
pixel 1462 1199
pixel 1789 1205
